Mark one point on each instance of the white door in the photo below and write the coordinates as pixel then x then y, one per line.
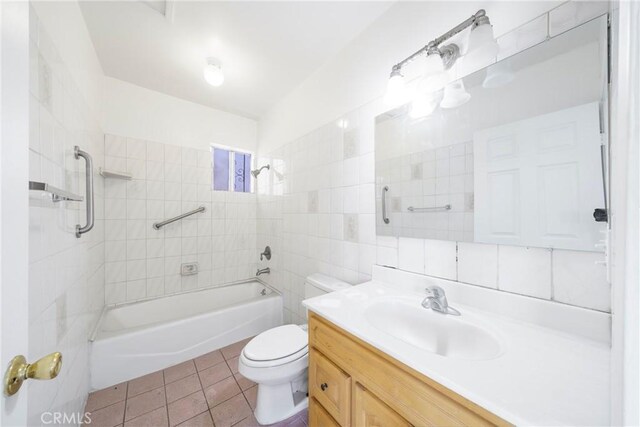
pixel 14 207
pixel 538 181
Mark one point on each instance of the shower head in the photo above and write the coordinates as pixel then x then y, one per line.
pixel 256 172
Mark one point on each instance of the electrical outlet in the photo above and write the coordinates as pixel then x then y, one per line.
pixel 189 269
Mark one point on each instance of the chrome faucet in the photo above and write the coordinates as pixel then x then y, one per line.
pixel 436 300
pixel 263 271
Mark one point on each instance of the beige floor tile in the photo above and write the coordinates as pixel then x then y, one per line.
pixel 145 383
pixel 179 371
pixel 231 412
pixel 106 397
pixel 208 360
pixel 186 408
pixel 214 374
pixel 221 391
pixel 181 388
pixel 155 418
pixel 145 402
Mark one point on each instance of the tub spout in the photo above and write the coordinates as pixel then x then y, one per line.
pixel 263 271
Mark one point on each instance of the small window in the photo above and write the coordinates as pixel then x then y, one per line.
pixel 231 170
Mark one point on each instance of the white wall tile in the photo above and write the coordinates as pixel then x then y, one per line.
pixel 440 258
pixel 525 271
pixel 478 264
pixel 136 149
pixel 411 255
pixel 573 13
pixel 523 37
pixel 580 279
pixel 387 256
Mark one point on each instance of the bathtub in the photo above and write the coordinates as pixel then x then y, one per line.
pixel 139 338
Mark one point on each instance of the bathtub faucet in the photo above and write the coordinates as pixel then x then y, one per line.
pixel 263 271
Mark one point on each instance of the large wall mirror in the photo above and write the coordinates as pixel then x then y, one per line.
pixel 512 154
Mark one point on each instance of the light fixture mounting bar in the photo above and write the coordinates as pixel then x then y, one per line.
pixel 433 44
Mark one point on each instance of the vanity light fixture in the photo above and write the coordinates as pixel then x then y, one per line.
pixel 213 72
pixel 440 58
pixel 483 48
pixel 425 103
pixel 455 95
pixel 396 91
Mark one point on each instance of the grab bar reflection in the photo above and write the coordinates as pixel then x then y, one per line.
pixel 89 190
pixel 159 225
pixel 384 204
pixel 435 208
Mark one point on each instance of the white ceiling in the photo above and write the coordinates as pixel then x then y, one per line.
pixel 266 48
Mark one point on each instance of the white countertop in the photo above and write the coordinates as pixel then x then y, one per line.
pixel 542 377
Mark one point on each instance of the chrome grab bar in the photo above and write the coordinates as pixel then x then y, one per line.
pixel 89 190
pixel 384 204
pixel 159 225
pixel 435 208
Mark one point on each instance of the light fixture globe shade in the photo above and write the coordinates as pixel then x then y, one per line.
pixel 424 105
pixel 498 75
pixel 396 91
pixel 455 95
pixel 483 48
pixel 213 74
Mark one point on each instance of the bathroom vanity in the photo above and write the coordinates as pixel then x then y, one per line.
pixel 380 357
pixel 351 383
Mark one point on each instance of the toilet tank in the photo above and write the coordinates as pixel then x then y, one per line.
pixel 318 284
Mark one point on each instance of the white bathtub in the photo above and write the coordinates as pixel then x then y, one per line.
pixel 139 338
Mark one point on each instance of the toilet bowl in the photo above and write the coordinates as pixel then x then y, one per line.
pixel 278 359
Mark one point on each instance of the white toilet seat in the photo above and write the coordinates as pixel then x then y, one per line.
pixel 276 347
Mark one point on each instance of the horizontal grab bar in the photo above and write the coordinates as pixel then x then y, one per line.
pixel 159 225
pixel 435 208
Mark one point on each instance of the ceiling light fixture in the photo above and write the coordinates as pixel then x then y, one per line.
pixel 441 58
pixel 213 72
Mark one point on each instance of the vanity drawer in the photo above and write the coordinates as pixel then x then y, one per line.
pixel 330 386
pixel 318 417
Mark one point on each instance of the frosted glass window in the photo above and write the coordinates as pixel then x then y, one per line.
pixel 231 171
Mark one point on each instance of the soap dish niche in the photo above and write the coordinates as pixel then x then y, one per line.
pixel 115 174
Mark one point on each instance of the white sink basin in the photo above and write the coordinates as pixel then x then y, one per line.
pixel 443 334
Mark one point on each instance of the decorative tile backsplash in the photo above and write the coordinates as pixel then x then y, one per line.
pixel 168 180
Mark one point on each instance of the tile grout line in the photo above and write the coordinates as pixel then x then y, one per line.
pixel 202 390
pixel 126 398
pixel 166 401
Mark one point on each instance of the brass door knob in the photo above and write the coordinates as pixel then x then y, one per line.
pixel 19 370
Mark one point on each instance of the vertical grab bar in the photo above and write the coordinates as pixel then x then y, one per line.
pixel 384 204
pixel 89 190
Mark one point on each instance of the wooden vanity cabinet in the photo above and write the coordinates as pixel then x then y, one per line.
pixel 351 383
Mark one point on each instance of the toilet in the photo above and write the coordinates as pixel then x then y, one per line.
pixel 277 360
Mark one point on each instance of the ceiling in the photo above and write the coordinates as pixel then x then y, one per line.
pixel 267 48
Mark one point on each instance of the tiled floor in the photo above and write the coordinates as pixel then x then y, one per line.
pixel 205 391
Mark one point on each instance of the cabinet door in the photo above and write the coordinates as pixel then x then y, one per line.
pixel 371 412
pixel 318 417
pixel 330 386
